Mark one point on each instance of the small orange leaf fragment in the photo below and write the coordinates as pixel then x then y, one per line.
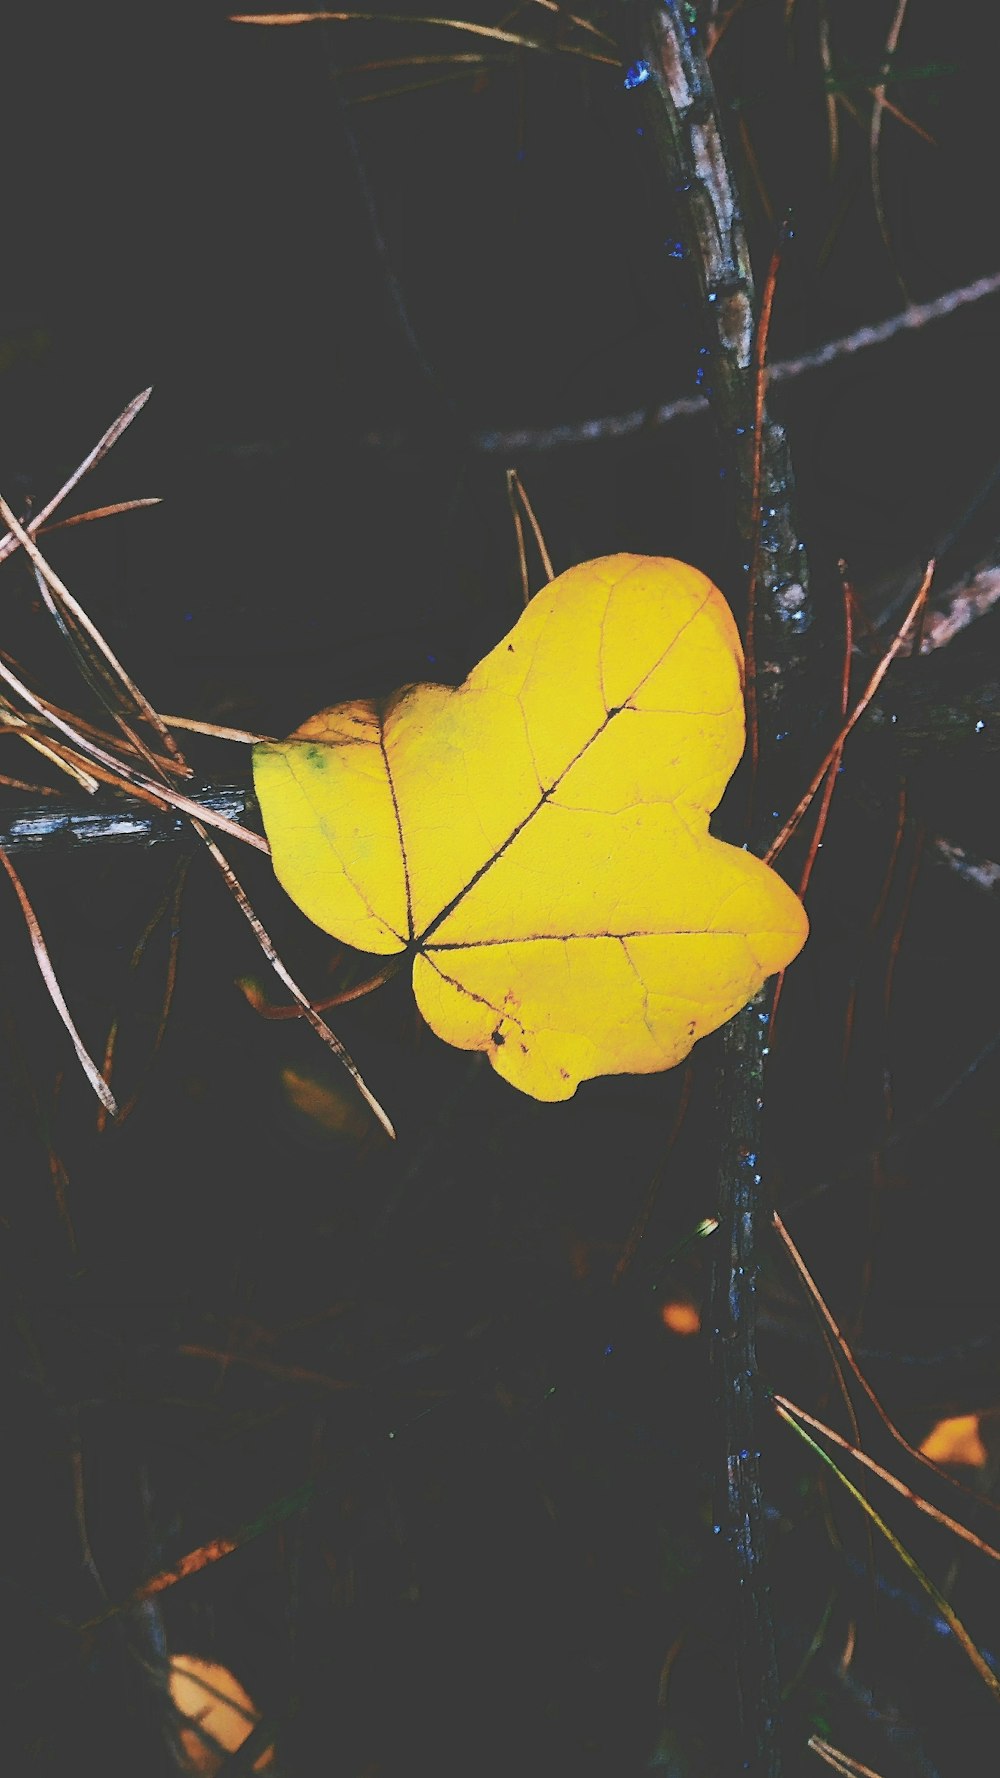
pixel 956 1441
pixel 324 1103
pixel 212 1697
pixel 681 1318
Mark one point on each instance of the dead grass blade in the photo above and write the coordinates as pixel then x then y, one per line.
pixel 43 960
pixel 923 1580
pixel 104 444
pixel 781 840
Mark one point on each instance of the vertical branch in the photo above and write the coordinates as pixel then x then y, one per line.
pixel 683 120
pixel 682 116
pixel 741 1409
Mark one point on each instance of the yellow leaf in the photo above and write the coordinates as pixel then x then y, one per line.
pixel 538 838
pixel 956 1440
pixel 213 1698
pixel 681 1317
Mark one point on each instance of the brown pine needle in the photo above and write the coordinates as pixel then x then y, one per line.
pixel 837 1339
pixel 573 18
pixel 522 491
pixel 291 1373
pixel 909 122
pixel 522 554
pixel 389 64
pixel 644 1217
pixel 217 730
pixel 38 945
pixel 62 593
pixel 426 86
pixel 892 1481
pixel 841 1762
pixel 518 496
pixel 97 677
pixel 64 759
pixel 32 789
pixel 309 1012
pixel 898 643
pixel 878 108
pixel 746 143
pixel 269 1009
pixel 104 444
pixel 494 32
pixel 923 1580
pixel 832 120
pixel 170 906
pixel 99 512
pixel 117 773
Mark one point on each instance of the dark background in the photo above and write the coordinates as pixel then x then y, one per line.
pixel 507 1561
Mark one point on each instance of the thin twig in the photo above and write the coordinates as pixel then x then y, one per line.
pixel 610 427
pixel 104 444
pixel 43 960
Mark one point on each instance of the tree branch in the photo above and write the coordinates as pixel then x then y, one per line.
pixel 54 828
pixel 674 83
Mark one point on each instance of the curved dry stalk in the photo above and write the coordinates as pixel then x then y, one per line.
pixel 44 962
pixel 104 444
